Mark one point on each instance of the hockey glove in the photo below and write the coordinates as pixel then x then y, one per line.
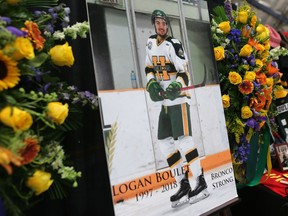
pixel 155 90
pixel 173 90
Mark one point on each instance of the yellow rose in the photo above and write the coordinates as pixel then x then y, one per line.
pixel 13 2
pixel 264 36
pixel 246 50
pixel 58 112
pixel 234 78
pixel 23 49
pixel 264 55
pixel 261 28
pixel 62 55
pixel 16 118
pixel 259 63
pixel 262 33
pixel 225 27
pixel 219 53
pixel 39 182
pixel 267 45
pixel 226 101
pixel 250 76
pixel 246 112
pixel 242 17
pixel 280 92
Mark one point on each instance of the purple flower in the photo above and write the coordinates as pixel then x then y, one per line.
pixel 37 13
pixel 276 75
pixel 252 62
pixel 49 28
pixel 262 118
pixel 51 10
pixel 244 61
pixel 54 16
pixel 246 97
pixel 57 8
pixel 243 139
pixel 45 89
pixel 242 152
pixel 251 123
pixel 228 10
pixel 251 57
pixel 16 31
pixel 234 35
pixel 6 19
pixel 256 85
pixel 274 64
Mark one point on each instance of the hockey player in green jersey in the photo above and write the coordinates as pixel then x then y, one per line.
pixel 166 69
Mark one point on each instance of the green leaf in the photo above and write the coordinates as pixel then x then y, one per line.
pixel 39 3
pixel 57 191
pixel 38 60
pixel 219 14
pixel 9 99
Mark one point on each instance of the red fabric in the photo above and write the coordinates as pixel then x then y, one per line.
pixel 273 182
pixel 275 37
pixel 286 34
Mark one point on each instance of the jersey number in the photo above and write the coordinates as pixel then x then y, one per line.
pixel 160 63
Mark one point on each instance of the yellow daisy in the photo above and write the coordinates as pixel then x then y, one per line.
pixel 9 72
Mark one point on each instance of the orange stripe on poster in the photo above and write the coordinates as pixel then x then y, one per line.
pixel 146 184
pixel 185 119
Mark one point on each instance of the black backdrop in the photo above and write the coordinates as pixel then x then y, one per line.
pixel 86 146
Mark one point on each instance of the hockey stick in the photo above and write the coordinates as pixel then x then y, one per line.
pixel 192 86
pixel 197 85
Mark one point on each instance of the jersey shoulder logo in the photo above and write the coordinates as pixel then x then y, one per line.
pixel 181 53
pixel 149 45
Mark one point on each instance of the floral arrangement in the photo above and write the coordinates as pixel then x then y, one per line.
pixel 37 107
pixel 249 78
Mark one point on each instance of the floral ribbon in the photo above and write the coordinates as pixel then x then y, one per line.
pixel 258 159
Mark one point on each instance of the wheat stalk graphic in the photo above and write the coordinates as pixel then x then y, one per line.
pixel 110 145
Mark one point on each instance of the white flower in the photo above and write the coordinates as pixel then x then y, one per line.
pixel 219 31
pixel 278 51
pixel 59 35
pixel 78 29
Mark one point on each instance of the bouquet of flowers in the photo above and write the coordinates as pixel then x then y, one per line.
pixel 249 78
pixel 37 107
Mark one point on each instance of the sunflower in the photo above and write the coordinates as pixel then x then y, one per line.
pixel 9 72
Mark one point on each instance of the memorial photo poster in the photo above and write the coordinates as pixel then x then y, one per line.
pixel 281 150
pixel 143 176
